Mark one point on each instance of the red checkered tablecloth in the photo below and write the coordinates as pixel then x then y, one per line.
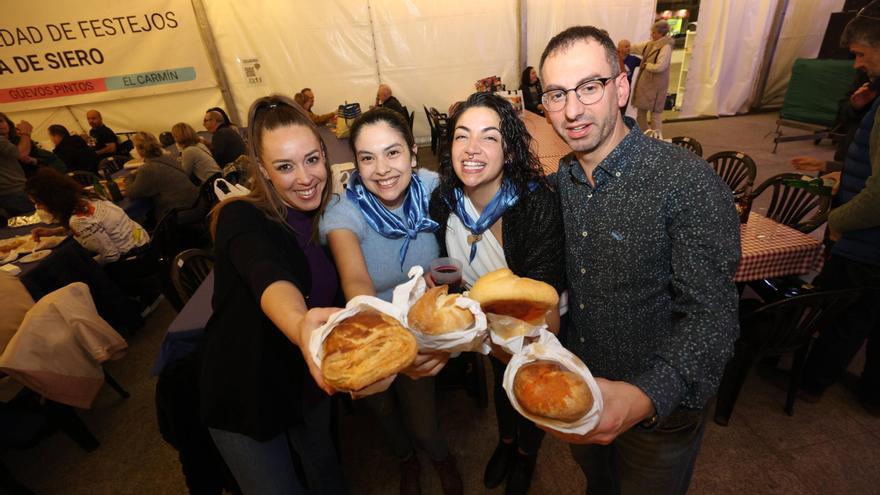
pixel 770 249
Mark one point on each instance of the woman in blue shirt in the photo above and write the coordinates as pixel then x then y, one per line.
pixel 377 230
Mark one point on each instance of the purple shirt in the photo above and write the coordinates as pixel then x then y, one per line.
pixel 325 281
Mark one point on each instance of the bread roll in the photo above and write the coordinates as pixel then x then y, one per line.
pixel 9 245
pixel 435 313
pixel 365 348
pixel 503 293
pixel 546 389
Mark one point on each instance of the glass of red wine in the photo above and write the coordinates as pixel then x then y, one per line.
pixel 447 271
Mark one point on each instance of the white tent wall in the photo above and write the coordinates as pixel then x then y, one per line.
pixel 801 37
pixel 431 53
pixel 629 19
pixel 728 50
pixel 325 46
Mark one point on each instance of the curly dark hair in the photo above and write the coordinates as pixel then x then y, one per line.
pixel 59 194
pixel 521 165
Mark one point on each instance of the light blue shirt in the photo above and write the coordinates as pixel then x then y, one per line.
pixel 380 253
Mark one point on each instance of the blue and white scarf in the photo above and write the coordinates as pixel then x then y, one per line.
pixel 415 212
pixel 503 199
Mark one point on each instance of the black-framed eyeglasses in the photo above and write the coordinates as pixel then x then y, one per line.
pixel 587 92
pixel 861 12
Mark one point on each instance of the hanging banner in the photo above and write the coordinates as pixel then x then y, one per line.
pixel 98 50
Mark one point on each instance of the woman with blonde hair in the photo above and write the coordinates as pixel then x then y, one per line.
pixel 195 158
pixel 260 392
pixel 159 179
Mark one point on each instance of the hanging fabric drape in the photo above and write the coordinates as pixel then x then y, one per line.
pixel 728 50
pixel 801 37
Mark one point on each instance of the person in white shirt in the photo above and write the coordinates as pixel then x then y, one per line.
pixel 98 225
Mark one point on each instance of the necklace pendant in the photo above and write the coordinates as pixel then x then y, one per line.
pixel 473 238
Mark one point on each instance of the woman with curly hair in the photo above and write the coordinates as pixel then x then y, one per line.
pixel 496 210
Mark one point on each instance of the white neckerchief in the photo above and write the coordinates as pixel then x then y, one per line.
pixel 490 255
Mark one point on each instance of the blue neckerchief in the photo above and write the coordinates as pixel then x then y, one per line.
pixel 387 224
pixel 503 199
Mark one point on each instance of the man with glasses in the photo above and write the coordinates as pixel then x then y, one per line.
pixel 652 243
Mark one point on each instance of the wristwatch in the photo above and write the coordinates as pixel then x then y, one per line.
pixel 649 422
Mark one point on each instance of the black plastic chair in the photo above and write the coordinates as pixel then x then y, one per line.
pixel 433 130
pixel 689 143
pixel 412 119
pixel 775 329
pixel 737 169
pixel 108 166
pixel 84 177
pixel 440 125
pixel 188 270
pixel 790 205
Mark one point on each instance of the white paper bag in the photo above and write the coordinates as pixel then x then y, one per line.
pixel 548 348
pixel 225 189
pixel 515 344
pixel 473 339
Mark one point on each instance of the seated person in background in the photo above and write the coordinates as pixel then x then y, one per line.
pixel 167 141
pixel 99 225
pixel 13 200
pixel 385 99
pixel 20 136
pixel 160 178
pixel 226 143
pixel 195 158
pixel 531 88
pixel 309 103
pixel 106 140
pixel 72 150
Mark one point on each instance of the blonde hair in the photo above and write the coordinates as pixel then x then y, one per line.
pixel 268 113
pixel 147 145
pixel 184 134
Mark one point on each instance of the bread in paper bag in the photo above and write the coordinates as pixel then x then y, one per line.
pixel 438 320
pixel 516 307
pixel 568 409
pixel 370 345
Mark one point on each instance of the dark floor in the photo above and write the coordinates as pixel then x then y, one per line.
pixel 826 448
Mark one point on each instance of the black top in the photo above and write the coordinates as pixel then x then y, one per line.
pixel 252 377
pixel 227 145
pixel 393 103
pixel 532 97
pixel 76 154
pixel 103 136
pixel 651 251
pixel 531 232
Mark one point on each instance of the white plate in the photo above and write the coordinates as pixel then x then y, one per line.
pixel 35 256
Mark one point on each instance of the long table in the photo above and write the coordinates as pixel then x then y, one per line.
pixel 548 146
